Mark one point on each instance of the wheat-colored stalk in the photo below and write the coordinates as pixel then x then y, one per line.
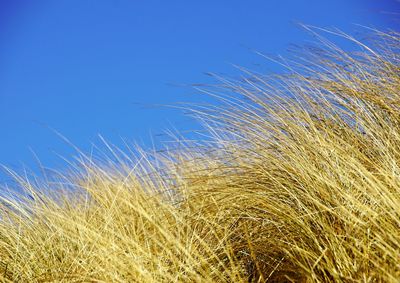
pixel 300 182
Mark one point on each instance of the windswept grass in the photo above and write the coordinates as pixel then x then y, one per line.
pixel 299 183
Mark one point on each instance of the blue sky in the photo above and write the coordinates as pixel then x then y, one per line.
pixel 86 67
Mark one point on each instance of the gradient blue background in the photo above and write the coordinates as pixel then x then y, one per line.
pixel 86 67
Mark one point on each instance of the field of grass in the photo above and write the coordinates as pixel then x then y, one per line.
pixel 298 180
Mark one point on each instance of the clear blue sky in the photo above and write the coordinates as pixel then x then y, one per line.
pixel 82 67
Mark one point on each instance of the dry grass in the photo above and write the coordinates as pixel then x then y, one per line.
pixel 300 183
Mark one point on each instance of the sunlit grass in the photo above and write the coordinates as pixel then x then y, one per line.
pixel 300 182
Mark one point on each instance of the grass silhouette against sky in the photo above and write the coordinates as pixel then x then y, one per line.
pixel 86 68
pixel 299 182
pixel 296 178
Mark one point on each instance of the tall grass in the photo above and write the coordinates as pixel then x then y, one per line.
pixel 299 183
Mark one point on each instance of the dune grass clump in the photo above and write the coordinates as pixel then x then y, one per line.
pixel 300 182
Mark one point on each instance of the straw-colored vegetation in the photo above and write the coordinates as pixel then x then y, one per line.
pixel 300 182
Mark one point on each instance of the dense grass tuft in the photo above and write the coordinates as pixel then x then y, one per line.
pixel 299 183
